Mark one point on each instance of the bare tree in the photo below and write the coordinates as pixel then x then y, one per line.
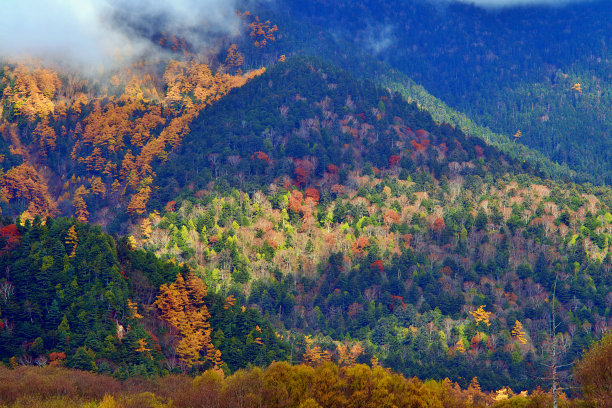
pixel 7 290
pixel 555 344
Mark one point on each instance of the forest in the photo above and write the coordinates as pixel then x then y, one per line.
pixel 265 225
pixel 533 69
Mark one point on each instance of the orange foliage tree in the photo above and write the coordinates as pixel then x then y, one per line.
pixel 295 201
pixel 46 137
pixel 32 94
pixel 594 372
pixel 261 33
pixel 181 305
pixel 138 202
pixel 23 183
pixel 234 59
pixel 359 247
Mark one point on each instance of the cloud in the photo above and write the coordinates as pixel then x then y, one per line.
pixel 514 3
pixel 97 32
pixel 378 39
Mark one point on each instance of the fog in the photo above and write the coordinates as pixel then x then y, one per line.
pixel 90 33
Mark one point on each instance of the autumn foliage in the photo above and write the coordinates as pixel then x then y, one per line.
pixel 25 184
pixel 594 372
pixel 181 305
pixel 262 32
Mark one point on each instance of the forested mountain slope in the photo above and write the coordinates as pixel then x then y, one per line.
pixel 291 213
pixel 72 295
pixel 544 71
pixel 340 210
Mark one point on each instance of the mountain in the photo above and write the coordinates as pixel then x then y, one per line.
pixel 73 295
pixel 345 232
pixel 264 205
pixel 543 71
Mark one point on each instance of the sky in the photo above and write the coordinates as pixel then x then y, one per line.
pixel 98 32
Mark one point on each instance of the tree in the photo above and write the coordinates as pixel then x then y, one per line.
pixel 594 372
pixel 480 316
pixel 97 187
pixel 181 305
pixel 138 203
pixel 46 137
pixel 146 228
pixel 234 58
pixel 24 183
pixel 72 240
pixel 518 333
pixel 80 207
pixel 261 33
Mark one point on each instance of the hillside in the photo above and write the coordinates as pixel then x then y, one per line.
pixel 488 64
pixel 73 296
pixel 274 215
pixel 348 226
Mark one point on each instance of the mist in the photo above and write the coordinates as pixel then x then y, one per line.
pixel 93 33
pixel 514 3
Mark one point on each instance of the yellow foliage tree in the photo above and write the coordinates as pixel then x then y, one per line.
pixel 459 346
pixel 133 306
pixel 72 240
pixel 518 333
pixel 80 207
pixel 577 87
pixel 146 228
pixel 480 316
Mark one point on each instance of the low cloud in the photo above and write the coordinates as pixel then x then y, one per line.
pixel 377 39
pixel 98 32
pixel 514 3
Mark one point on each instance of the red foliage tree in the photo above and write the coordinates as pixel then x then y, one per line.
pixel 312 194
pixel 303 170
pixel 295 201
pixel 394 160
pixel 332 169
pixel 11 234
pixel 421 133
pixel 439 225
pixel 377 265
pixel 261 156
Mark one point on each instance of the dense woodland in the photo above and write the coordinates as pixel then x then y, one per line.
pixel 215 224
pixel 530 69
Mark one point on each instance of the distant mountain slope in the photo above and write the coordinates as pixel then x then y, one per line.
pixel 509 70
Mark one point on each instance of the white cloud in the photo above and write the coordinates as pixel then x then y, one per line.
pixel 512 3
pixel 94 32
